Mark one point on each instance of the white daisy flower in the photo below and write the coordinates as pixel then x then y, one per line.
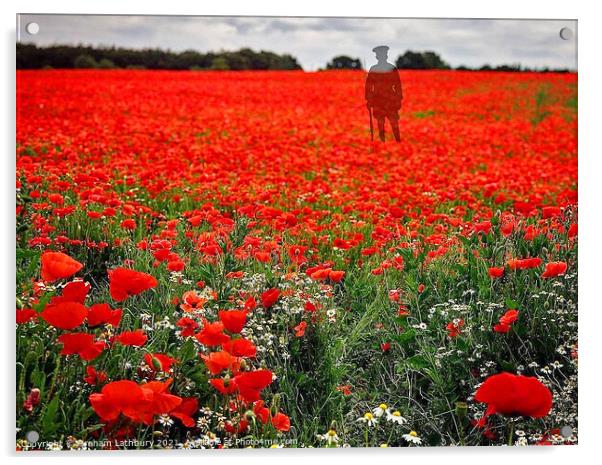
pixel 396 417
pixel 368 418
pixel 412 437
pixel 380 410
pixel 331 438
pixel 165 420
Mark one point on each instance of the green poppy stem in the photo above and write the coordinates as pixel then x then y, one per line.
pixel 511 434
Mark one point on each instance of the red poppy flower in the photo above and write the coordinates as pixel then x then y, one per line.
pixel 262 412
pixel 57 265
pixel 281 422
pixel 25 315
pixel 503 329
pixel 496 272
pixel 509 317
pixel 524 263
pixel 119 397
pixel 128 224
pixel 550 212
pixel 124 283
pixel 100 314
pixel 225 387
pixel 554 269
pixel 250 304
pixel 185 410
pixel 321 274
pixel 345 389
pixel 212 334
pixel 309 307
pixel 251 383
pixel 94 377
pixel 240 428
pixel 300 329
pixel 191 302
pixel 233 320
pixel 240 347
pixel 176 265
pixel 76 291
pixel 507 228
pixel 296 254
pixel 131 338
pixel 188 326
pixel 82 344
pixel 454 328
pixel 336 276
pixel 235 274
pixel 402 310
pixel 160 401
pixel 64 315
pixel 216 362
pixel 515 395
pixel 269 297
pixel 506 321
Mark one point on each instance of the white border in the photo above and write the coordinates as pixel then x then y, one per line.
pixel 590 153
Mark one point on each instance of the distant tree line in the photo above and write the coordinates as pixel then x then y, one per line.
pixel 430 60
pixel 30 56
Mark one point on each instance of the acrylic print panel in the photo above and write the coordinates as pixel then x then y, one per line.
pixel 295 232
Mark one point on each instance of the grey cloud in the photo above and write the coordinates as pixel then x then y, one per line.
pixel 314 41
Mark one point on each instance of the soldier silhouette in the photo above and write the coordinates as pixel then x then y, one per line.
pixel 383 93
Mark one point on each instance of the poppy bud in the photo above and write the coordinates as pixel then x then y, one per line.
pixel 461 410
pixel 27 406
pixel 157 364
pixel 34 396
pixel 275 404
pixel 33 399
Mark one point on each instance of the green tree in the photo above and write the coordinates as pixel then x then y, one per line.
pixel 421 60
pixel 219 64
pixel 344 62
pixel 105 63
pixel 85 61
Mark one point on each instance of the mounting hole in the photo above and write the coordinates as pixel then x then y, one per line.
pixel 566 431
pixel 32 28
pixel 566 33
pixel 32 436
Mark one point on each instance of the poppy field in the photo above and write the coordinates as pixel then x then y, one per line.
pixel 226 260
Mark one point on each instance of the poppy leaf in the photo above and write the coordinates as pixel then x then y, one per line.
pixel 49 417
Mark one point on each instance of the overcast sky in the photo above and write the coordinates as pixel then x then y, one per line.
pixel 314 41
